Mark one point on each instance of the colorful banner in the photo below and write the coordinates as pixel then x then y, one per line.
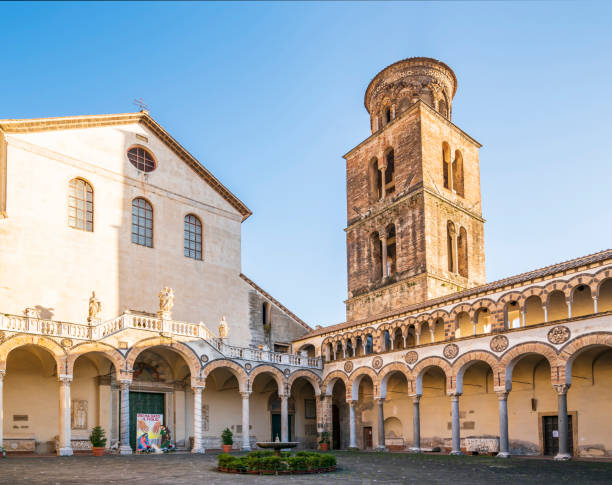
pixel 148 431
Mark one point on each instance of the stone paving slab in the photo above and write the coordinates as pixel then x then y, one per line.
pixel 354 468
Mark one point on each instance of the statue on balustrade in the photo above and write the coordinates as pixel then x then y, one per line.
pixel 95 307
pixel 166 300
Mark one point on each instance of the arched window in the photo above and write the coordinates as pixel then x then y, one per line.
pixel 369 345
pixel 80 205
pixel 442 109
pixel 193 237
pixel 390 173
pixel 376 261
pixel 387 115
pixel 142 222
pixel 446 166
pixel 141 159
pixel 462 252
pixel 265 313
pixel 450 245
pixel 458 173
pixel 391 251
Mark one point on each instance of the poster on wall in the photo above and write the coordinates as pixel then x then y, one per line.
pixel 148 431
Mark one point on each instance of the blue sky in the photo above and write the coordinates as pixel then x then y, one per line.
pixel 269 96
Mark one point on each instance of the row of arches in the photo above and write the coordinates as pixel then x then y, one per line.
pixel 524 388
pixel 582 295
pixel 197 401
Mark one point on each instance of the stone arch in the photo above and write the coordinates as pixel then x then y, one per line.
pixel 509 297
pixel 356 377
pixel 464 362
pixel 419 370
pixel 278 376
pixel 509 359
pixel 487 303
pixel 533 291
pixel 557 285
pixel 192 360
pixel 237 370
pixel 310 376
pixel 600 277
pixel 582 279
pixel 56 350
pixel 462 307
pixel 387 371
pixel 89 347
pixel 575 347
pixel 328 383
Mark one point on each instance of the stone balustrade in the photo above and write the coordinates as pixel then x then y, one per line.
pixel 259 355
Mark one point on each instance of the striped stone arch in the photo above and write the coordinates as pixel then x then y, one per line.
pixel 487 303
pixel 310 376
pixel 56 350
pixel 464 362
pixel 556 285
pixel 582 279
pixel 462 307
pixel 186 352
pixel 509 359
pixel 534 291
pixel 423 366
pixel 575 347
pixel 600 277
pixel 390 369
pixel 237 370
pixel 444 315
pixel 330 379
pixel 356 377
pixel 508 297
pixel 277 375
pixel 110 352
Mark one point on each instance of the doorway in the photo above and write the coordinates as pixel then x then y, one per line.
pixel 276 426
pixel 550 435
pixel 367 438
pixel 335 427
pixel 144 403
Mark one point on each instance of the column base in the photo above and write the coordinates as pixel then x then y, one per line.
pixel 456 452
pixel 65 451
pixel 353 448
pixel 503 454
pixel 563 457
pixel 198 451
pixel 381 448
pixel 125 450
pixel 415 450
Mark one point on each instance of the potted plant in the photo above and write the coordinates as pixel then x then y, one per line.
pixel 324 441
pixel 227 440
pixel 98 441
pixel 2 451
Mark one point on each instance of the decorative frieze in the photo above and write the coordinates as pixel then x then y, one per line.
pixel 499 343
pixel 559 335
pixel 411 357
pixel 450 351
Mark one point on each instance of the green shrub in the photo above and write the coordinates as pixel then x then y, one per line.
pixel 97 437
pixel 313 461
pixel 223 459
pixel 298 463
pixel 328 460
pixel 227 438
pixel 285 454
pixel 237 464
pixel 271 463
pixel 259 454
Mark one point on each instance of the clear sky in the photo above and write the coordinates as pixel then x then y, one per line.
pixel 269 96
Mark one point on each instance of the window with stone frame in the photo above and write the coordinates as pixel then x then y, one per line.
pixel 80 205
pixel 141 159
pixel 142 222
pixel 193 237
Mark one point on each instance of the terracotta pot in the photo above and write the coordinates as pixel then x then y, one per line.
pixel 226 448
pixel 98 451
pixel 324 446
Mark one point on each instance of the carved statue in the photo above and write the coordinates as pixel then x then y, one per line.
pixel 95 307
pixel 166 299
pixel 223 328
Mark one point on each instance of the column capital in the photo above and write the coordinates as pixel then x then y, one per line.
pixel 198 382
pixel 502 395
pixel 379 399
pixel 284 396
pixel 197 388
pixel 245 394
pixel 415 398
pixel 2 373
pixel 454 395
pixel 125 384
pixel 65 378
pixel 561 389
pixel 351 402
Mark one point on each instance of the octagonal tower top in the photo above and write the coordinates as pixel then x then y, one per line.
pixel 400 85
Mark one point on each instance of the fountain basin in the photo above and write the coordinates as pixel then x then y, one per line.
pixel 277 446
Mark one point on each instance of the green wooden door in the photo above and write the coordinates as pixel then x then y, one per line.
pixel 144 402
pixel 276 426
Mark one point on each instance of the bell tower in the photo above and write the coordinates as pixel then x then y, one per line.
pixel 414 221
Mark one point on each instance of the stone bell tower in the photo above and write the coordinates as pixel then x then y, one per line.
pixel 414 221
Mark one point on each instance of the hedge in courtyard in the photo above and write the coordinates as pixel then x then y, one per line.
pixel 265 462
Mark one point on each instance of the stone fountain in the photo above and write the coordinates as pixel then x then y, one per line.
pixel 277 445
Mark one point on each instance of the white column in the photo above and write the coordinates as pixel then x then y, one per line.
pixel 594 304
pixel 352 425
pixel 2 372
pixel 284 417
pixel 504 447
pixel 65 445
pixel 416 424
pixel 125 448
pixel 569 308
pixel 197 420
pixel 456 434
pixel 522 317
pixel 545 313
pixel 381 424
pixel 246 440
pixel 562 421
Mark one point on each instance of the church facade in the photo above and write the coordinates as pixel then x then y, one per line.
pixel 122 295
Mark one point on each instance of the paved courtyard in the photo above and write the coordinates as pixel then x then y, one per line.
pixel 354 468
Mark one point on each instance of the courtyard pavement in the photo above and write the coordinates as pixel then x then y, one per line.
pixel 353 468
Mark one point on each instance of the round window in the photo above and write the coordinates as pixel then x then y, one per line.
pixel 141 159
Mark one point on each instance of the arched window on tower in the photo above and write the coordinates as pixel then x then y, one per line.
pixel 375 180
pixel 387 115
pixel 376 262
pixel 265 314
pixel 446 165
pixel 458 173
pixel 391 251
pixel 450 245
pixel 442 108
pixel 80 205
pixel 390 172
pixel 462 252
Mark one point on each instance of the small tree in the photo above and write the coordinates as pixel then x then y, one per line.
pixel 227 438
pixel 97 437
pixel 324 438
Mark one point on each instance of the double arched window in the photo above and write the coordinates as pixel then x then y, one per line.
pixel 193 237
pixel 457 249
pixel 80 205
pixel 452 171
pixel 142 222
